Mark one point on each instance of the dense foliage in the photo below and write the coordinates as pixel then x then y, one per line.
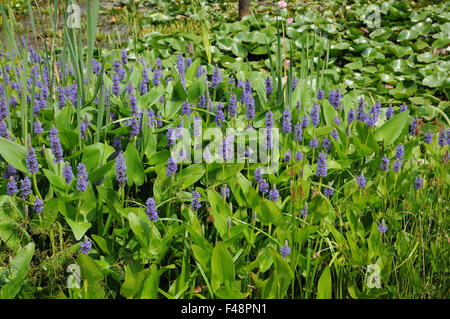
pixel 356 122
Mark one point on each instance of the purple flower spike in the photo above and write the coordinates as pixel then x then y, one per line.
pixel 285 250
pixel 322 165
pixel 196 202
pixel 150 209
pixel 38 127
pixel 133 104
pixel 82 178
pixel 25 186
pixel 207 155
pixel 361 180
pixel 413 127
pixel 84 127
pixel 287 126
pixel 382 228
pixel 9 171
pixel 299 105
pixel 250 107
pixel 384 163
pixel 115 86
pixel 294 83
pixel 269 119
pixel 232 105
pixel 4 130
pixel 337 120
pixel 124 56
pixel 216 78
pixel 157 74
pixel 3 109
pixel 38 205
pixel 428 137
pixel 441 138
pixel 220 117
pixel 11 188
pixel 225 191
pixel 328 192
pixel 181 66
pixel 200 71
pixel 320 94
pixel 389 112
pixel 305 121
pixel 268 87
pixel 135 126
pixel 258 176
pixel 264 187
pixel 397 165
pixel 170 136
pixel 269 125
pixel 186 109
pixel 67 173
pixel 335 99
pixel 32 163
pixel 334 134
pixel 298 132
pixel 96 66
pixel 55 144
pixel 362 116
pixel 143 85
pixel 314 143
pixel 188 62
pixel 400 152
pixel 418 182
pixel 315 119
pixel 121 168
pixel 273 194
pixel 201 101
pixel 197 125
pixel 304 211
pixel 351 116
pixel 171 167
pixel 86 246
pixel 287 156
pixel 326 143
pixel 129 89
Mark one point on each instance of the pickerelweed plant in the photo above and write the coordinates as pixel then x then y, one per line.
pixel 102 183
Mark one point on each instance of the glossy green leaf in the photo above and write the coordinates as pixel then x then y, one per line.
pixel 269 213
pixel 79 228
pixel 15 154
pixel 135 169
pixel 222 267
pixel 17 271
pixel 324 289
pixel 391 129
